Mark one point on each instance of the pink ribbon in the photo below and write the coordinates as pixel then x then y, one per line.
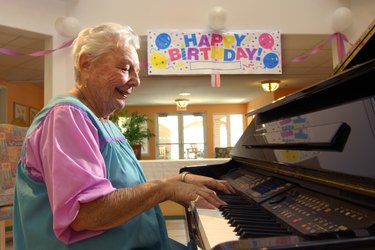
pixel 37 53
pixel 340 38
pixel 215 80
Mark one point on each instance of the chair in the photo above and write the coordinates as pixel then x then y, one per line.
pixel 223 152
pixel 11 139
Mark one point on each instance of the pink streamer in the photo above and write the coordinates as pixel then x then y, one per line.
pixel 215 80
pixel 340 38
pixel 37 53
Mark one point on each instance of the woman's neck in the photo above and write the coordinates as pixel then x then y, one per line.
pixel 79 93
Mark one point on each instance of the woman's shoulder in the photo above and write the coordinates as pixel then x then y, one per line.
pixel 61 103
pixel 65 99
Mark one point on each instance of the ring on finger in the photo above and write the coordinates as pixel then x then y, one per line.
pixel 196 199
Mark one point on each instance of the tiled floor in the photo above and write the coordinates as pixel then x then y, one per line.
pixel 176 230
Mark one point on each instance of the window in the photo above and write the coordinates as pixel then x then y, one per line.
pixel 228 129
pixel 180 136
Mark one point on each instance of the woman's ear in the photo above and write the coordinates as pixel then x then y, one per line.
pixel 84 63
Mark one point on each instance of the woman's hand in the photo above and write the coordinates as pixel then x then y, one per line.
pixel 199 180
pixel 187 188
pixel 184 193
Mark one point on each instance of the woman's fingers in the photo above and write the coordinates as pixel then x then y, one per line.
pixel 209 199
pixel 202 195
pixel 226 187
pixel 221 185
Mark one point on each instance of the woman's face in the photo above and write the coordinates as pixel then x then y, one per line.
pixel 111 79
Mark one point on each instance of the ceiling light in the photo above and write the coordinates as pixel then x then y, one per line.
pixel 182 104
pixel 184 94
pixel 270 86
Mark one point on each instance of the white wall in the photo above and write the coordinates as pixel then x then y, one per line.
pixel 288 16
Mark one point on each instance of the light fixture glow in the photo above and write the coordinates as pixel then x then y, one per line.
pixel 182 104
pixel 184 94
pixel 270 86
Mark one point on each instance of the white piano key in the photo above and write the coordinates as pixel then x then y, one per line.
pixel 214 227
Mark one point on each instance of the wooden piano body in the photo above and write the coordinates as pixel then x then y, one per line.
pixel 304 169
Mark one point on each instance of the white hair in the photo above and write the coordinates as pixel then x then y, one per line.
pixel 101 39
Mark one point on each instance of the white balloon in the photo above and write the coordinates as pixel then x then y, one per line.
pixel 67 26
pixel 71 26
pixel 341 19
pixel 217 18
pixel 59 25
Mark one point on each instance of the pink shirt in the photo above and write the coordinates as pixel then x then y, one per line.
pixel 64 153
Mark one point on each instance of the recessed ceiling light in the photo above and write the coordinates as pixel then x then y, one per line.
pixel 184 94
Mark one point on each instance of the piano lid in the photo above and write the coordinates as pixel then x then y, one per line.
pixel 325 129
pixel 361 51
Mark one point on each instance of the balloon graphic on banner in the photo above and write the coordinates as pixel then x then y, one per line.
pixel 158 60
pixel 163 41
pixel 271 60
pixel 266 41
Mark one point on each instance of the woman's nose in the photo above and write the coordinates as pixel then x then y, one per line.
pixel 134 80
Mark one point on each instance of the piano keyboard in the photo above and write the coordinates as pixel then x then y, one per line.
pixel 238 220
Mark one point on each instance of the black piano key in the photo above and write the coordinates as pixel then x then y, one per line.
pixel 235 201
pixel 244 207
pixel 232 198
pixel 238 206
pixel 257 234
pixel 235 222
pixel 243 227
pixel 244 215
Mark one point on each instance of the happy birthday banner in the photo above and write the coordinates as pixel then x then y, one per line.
pixel 200 52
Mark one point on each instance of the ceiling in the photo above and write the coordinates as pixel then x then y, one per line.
pixel 162 90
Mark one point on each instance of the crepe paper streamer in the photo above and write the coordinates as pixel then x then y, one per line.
pixel 215 80
pixel 340 38
pixel 9 52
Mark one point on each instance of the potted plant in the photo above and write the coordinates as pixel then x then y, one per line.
pixel 133 128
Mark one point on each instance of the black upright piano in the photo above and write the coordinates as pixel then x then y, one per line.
pixel 303 170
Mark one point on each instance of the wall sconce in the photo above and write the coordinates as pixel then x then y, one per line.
pixel 182 104
pixel 270 86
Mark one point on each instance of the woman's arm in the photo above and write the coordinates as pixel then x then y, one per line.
pixel 123 204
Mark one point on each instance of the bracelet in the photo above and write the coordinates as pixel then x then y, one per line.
pixel 183 175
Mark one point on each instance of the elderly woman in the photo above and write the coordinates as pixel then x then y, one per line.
pixel 79 185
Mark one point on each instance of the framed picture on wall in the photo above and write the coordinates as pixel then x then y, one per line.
pixel 20 112
pixel 32 114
